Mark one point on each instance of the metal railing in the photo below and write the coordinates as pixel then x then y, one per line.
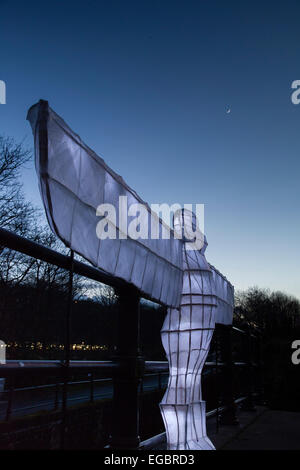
pixel 127 368
pixel 16 368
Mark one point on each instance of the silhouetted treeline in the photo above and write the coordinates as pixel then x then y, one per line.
pixel 275 318
pixel 33 323
pixel 272 312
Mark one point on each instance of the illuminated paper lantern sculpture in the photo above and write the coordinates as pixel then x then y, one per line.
pixel 207 298
pixel 73 183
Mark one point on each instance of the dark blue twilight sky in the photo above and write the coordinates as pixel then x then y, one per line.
pixel 147 84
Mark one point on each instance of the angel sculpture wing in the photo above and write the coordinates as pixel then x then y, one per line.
pixel 73 182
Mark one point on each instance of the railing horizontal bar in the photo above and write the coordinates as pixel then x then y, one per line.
pixel 35 250
pixel 152 442
pixel 43 253
pixel 57 368
pixel 212 413
pixel 156 366
pixel 77 382
pixel 163 365
pixel 160 439
pixel 238 330
pixel 45 363
pixel 213 364
pixel 106 368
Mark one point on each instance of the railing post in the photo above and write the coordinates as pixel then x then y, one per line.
pixel 248 404
pixel 217 379
pixel 10 399
pixel 261 390
pixel 91 387
pixel 228 416
pixel 67 351
pixel 56 399
pixel 127 378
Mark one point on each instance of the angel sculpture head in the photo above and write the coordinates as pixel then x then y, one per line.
pixel 187 227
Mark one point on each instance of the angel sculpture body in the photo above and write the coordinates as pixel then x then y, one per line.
pixel 186 335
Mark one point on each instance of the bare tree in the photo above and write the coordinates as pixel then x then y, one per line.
pixel 30 288
pixel 15 213
pixel 268 310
